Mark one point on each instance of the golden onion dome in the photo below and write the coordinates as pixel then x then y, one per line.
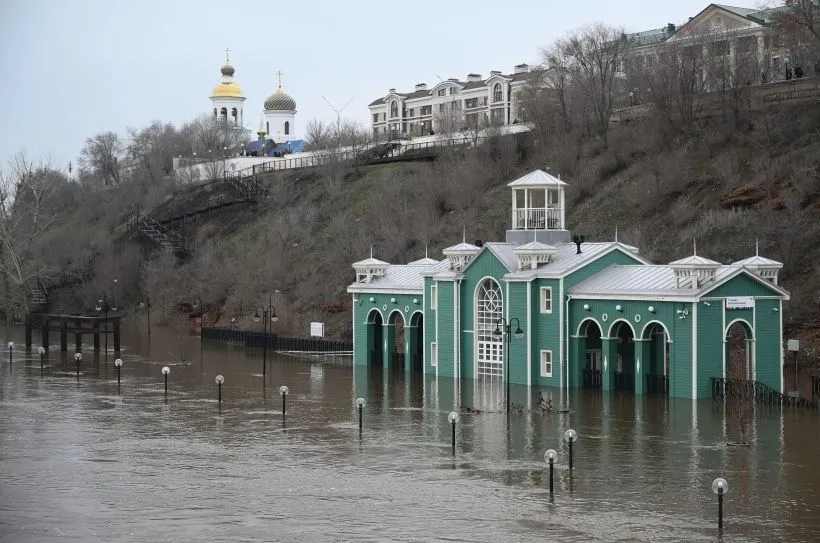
pixel 280 101
pixel 227 90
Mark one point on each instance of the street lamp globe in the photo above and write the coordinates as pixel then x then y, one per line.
pixel 98 306
pixel 452 417
pixel 41 350
pixel 571 435
pixel 360 402
pixel 256 316
pixel 166 370
pixel 219 380
pixel 283 390
pixel 78 356
pixel 519 333
pixel 118 362
pixel 720 486
pixel 11 344
pixel 274 317
pixel 550 456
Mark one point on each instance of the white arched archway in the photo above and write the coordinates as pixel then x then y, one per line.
pixel 739 353
pixel 585 323
pixel 621 321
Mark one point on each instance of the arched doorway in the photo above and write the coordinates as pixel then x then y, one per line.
pixel 739 372
pixel 489 349
pixel 396 346
pixel 624 363
pixel 739 352
pixel 592 351
pixel 415 333
pixel 655 360
pixel 375 338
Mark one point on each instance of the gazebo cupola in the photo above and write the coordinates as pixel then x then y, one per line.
pixel 694 271
pixel 532 254
pixel 461 255
pixel 539 206
pixel 367 270
pixel 764 267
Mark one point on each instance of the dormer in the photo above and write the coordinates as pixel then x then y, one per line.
pixel 531 254
pixel 460 255
pixel 694 271
pixel 367 270
pixel 764 267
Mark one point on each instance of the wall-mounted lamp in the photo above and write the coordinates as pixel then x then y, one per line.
pixel 372 299
pixel 618 308
pixel 707 304
pixel 416 301
pixel 586 307
pixel 392 300
pixel 651 309
pixel 357 301
pixel 775 310
pixel 682 313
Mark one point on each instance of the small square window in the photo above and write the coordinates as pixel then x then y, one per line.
pixel 546 363
pixel 546 299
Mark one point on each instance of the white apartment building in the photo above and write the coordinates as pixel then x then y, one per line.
pixel 451 105
pixel 722 36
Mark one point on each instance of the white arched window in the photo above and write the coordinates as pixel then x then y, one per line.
pixel 489 307
pixel 497 94
pixel 394 109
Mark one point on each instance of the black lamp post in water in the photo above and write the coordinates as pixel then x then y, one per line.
pixel 360 403
pixel 720 487
pixel 42 351
pixel 104 305
pixel 11 346
pixel 283 390
pixel 453 418
pixel 550 457
pixel 118 364
pixel 165 371
pixel 269 316
pixel 219 380
pixel 145 303
pixel 78 357
pixel 571 436
pixel 504 327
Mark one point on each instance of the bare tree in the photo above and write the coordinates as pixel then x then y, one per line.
pixel 594 55
pixel 26 190
pixel 99 158
pixel 153 149
pixel 797 33
pixel 211 137
pixel 318 135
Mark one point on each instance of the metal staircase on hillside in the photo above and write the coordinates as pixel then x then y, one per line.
pixel 247 186
pixel 756 392
pixel 152 230
pixel 39 295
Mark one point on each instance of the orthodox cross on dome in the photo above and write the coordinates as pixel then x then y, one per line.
pixel 227 55
pixel 279 77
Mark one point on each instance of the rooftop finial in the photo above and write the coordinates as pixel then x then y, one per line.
pixel 695 246
pixel 616 233
pixel 227 55
pixel 425 250
pixel 371 251
pixel 757 246
pixel 464 234
pixel 279 76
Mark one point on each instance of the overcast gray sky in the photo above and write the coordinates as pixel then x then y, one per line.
pixel 74 68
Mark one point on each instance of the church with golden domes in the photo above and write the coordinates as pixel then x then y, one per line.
pixel 278 116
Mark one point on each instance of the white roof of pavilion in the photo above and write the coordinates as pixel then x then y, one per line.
pixel 537 178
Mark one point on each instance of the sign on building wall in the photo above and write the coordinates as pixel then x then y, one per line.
pixel 317 329
pixel 740 302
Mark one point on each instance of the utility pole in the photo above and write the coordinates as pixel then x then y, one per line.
pixel 338 117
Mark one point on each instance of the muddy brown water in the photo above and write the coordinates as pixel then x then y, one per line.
pixel 81 462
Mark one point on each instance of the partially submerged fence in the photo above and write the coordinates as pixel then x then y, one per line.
pixel 276 342
pixel 754 392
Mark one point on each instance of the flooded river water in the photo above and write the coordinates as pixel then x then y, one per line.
pixel 81 462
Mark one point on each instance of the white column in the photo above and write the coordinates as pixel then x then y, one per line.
pixel 563 208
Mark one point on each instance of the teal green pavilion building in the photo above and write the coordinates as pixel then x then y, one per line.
pixel 547 309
